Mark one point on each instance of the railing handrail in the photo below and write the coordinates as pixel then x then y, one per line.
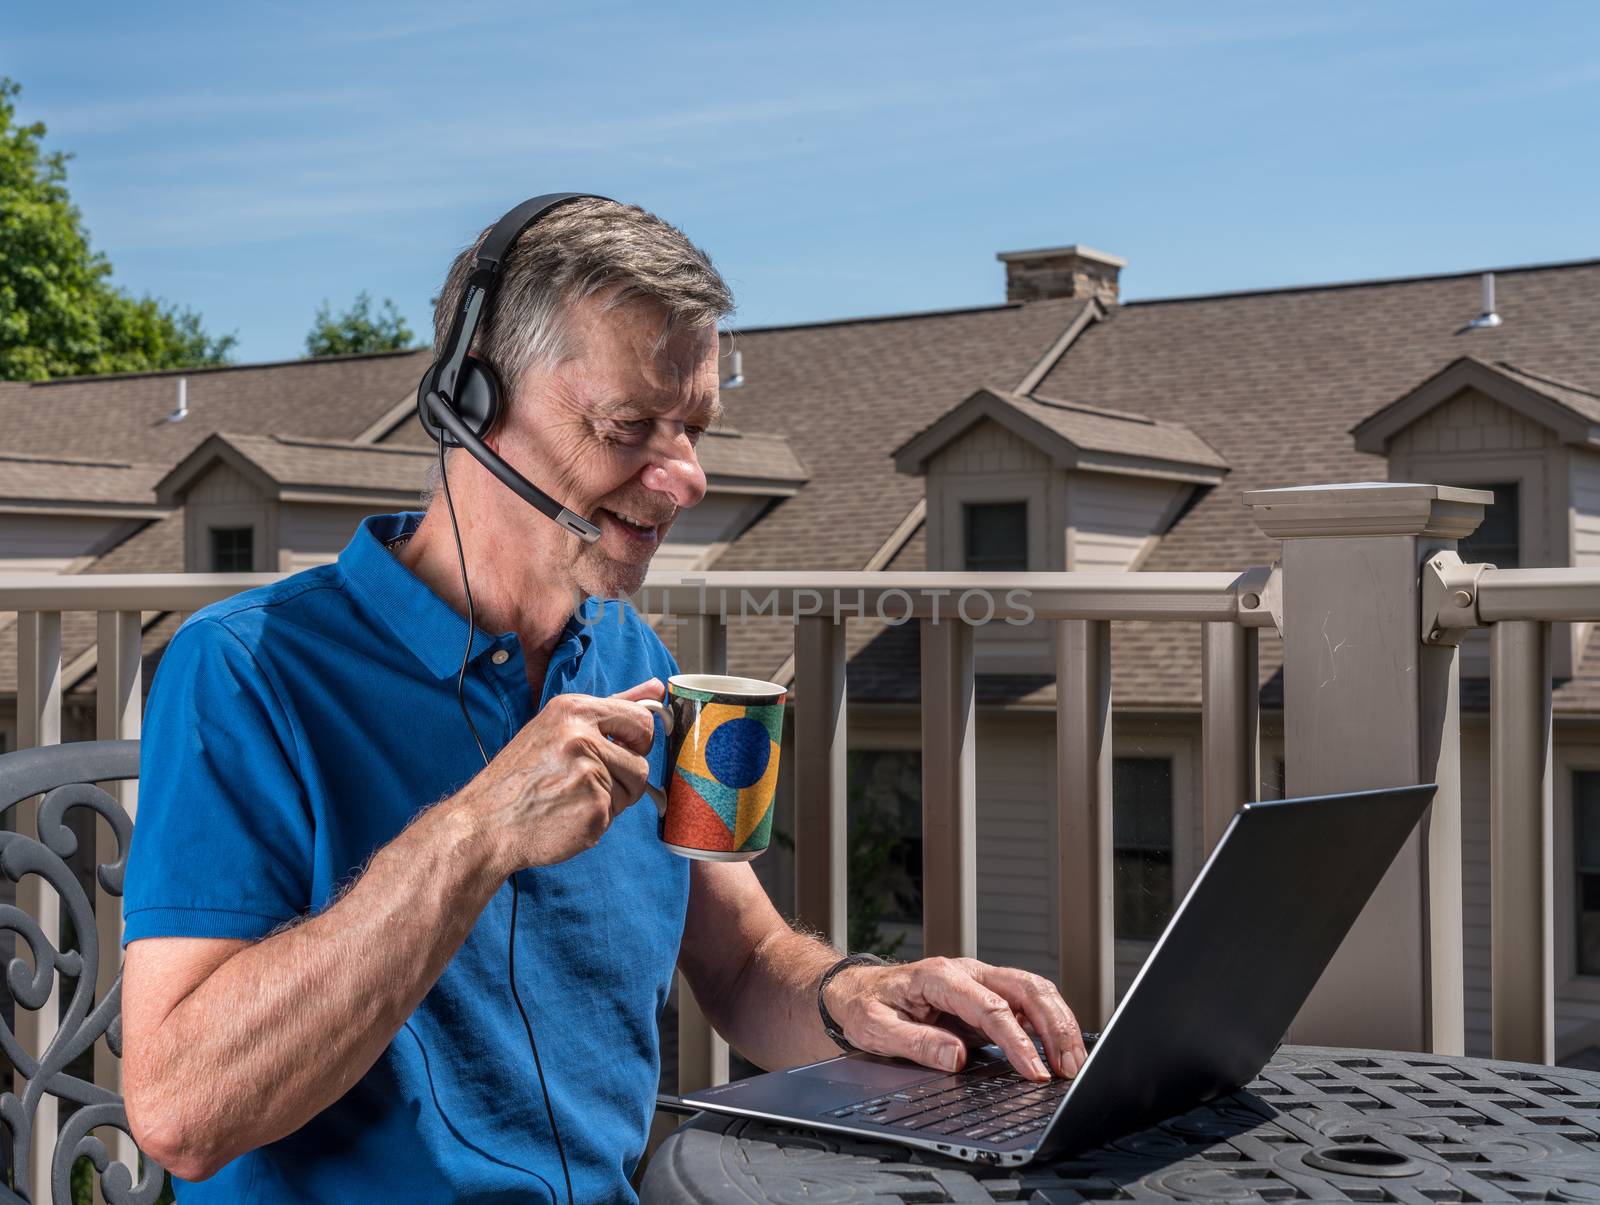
pixel 898 594
pixel 1549 595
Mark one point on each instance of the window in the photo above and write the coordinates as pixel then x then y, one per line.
pixel 1496 540
pixel 1141 826
pixel 232 549
pixel 996 536
pixel 884 792
pixel 1586 859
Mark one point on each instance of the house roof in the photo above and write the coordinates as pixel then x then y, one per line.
pixel 1275 381
pixel 750 462
pixel 1270 382
pixel 1571 411
pixel 56 483
pixel 285 466
pixel 1075 435
pixel 125 417
pixel 845 394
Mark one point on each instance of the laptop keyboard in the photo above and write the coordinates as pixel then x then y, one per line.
pixel 990 1101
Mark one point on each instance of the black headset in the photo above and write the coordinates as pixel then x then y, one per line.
pixel 458 400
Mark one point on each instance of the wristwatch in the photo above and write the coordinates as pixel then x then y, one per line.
pixel 829 1026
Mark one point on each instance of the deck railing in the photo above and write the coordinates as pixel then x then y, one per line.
pixel 1369 598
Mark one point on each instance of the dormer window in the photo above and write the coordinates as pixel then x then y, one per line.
pixel 232 549
pixel 1498 539
pixel 1531 438
pixel 996 536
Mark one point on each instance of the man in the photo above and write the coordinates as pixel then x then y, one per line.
pixel 317 999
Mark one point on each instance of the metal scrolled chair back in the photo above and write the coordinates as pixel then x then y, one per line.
pixel 65 777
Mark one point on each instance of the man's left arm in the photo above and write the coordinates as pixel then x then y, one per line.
pixel 756 980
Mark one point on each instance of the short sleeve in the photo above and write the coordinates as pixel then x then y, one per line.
pixel 222 843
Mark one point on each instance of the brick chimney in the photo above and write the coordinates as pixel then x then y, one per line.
pixel 1075 271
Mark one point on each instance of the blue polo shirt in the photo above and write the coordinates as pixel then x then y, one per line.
pixel 293 730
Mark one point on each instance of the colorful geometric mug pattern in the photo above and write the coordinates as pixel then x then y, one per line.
pixel 725 773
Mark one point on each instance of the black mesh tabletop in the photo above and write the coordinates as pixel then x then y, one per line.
pixel 1318 1124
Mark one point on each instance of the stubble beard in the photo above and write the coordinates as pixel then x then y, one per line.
pixel 601 576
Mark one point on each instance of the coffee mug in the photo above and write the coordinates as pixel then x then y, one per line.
pixel 723 736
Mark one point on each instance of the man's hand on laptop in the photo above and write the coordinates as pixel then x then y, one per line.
pixel 931 1011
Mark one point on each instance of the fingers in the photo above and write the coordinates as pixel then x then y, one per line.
pixel 948 985
pixel 888 1033
pixel 1037 999
pixel 645 690
pixel 625 722
pixel 628 770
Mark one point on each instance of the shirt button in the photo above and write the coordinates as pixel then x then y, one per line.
pixel 499 656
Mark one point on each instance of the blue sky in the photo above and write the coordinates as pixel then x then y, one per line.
pixel 835 159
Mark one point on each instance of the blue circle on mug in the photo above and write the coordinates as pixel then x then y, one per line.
pixel 738 751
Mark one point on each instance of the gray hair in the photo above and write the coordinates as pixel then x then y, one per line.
pixel 583 249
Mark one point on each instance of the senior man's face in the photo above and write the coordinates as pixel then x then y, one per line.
pixel 611 433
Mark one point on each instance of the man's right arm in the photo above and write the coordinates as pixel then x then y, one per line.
pixel 230 1045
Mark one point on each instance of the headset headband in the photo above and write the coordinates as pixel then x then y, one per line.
pixel 438 399
pixel 484 281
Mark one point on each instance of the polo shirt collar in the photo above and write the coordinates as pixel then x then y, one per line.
pixel 419 619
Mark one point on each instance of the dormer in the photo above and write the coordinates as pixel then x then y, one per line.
pixel 273 503
pixel 1531 438
pixel 1026 482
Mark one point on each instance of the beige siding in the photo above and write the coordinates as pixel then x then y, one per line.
pixel 1113 519
pixel 1584 501
pixel 223 484
pixel 224 497
pixel 1016 843
pixel 50 543
pixel 1471 422
pixel 987 448
pixel 314 533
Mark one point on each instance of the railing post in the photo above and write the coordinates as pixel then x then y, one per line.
pixel 820 825
pixel 1368 703
pixel 1229 724
pixel 1522 944
pixel 38 723
pixel 118 716
pixel 949 790
pixel 702 1051
pixel 1083 789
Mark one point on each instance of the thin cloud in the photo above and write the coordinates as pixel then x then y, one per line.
pixel 195 108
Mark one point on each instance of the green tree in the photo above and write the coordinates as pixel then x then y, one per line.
pixel 60 315
pixel 358 329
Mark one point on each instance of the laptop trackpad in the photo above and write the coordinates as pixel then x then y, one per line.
pixel 874 1076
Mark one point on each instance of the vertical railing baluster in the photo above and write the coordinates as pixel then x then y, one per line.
pixel 1083 788
pixel 949 790
pixel 820 852
pixel 118 695
pixel 702 1052
pixel 1229 724
pixel 38 723
pixel 1522 970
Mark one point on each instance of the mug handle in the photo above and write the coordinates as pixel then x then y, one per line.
pixel 657 796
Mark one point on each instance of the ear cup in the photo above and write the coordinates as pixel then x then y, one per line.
pixel 477 401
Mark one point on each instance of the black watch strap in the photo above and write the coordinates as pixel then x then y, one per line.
pixel 829 1026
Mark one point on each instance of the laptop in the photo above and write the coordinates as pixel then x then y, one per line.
pixel 1205 1013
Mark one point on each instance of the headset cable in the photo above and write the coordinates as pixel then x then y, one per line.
pixel 461 701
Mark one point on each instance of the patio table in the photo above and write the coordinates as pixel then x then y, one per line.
pixel 1317 1124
